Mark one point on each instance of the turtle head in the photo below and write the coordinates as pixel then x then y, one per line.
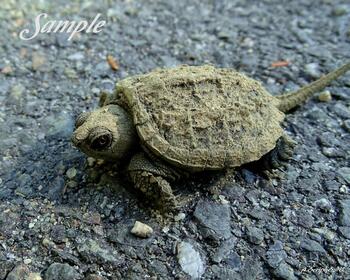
pixel 107 133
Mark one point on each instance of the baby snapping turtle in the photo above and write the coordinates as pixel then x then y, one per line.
pixel 187 119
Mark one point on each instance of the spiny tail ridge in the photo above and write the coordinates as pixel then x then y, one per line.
pixel 293 99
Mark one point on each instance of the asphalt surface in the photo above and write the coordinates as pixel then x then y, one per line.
pixel 65 217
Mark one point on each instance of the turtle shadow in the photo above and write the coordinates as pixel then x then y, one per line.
pixel 41 173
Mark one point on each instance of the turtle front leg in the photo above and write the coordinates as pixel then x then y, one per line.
pixel 151 179
pixel 279 156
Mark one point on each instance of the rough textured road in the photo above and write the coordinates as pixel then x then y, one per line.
pixel 63 217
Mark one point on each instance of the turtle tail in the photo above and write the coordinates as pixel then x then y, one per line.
pixel 293 99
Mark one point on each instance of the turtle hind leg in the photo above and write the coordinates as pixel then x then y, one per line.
pixel 278 157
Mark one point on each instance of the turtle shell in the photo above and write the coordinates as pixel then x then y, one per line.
pixel 202 117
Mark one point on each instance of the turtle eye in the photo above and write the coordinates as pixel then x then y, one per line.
pixel 81 119
pixel 101 142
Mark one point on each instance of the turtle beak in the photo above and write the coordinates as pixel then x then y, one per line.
pixel 76 142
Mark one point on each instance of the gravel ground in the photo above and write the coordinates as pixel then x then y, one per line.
pixel 63 217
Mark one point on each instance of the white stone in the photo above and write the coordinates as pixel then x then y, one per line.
pixel 141 230
pixel 190 260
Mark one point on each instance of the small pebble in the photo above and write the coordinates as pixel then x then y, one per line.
pixel 61 271
pixel 339 11
pixel 248 42
pixel 325 96
pixel 27 261
pixel 71 172
pixel 38 60
pixel 343 189
pixel 7 70
pixel 165 229
pixel 179 217
pixel 76 56
pixel 18 272
pixel 312 246
pixel 141 230
pixel 285 271
pixel 70 73
pixel 325 232
pixel 223 200
pixel 95 90
pixel 223 35
pixel 46 242
pixel 91 161
pixel 323 204
pixel 312 69
pixel 34 276
pixel 16 94
pixel 72 184
pixel 255 235
pixel 94 277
